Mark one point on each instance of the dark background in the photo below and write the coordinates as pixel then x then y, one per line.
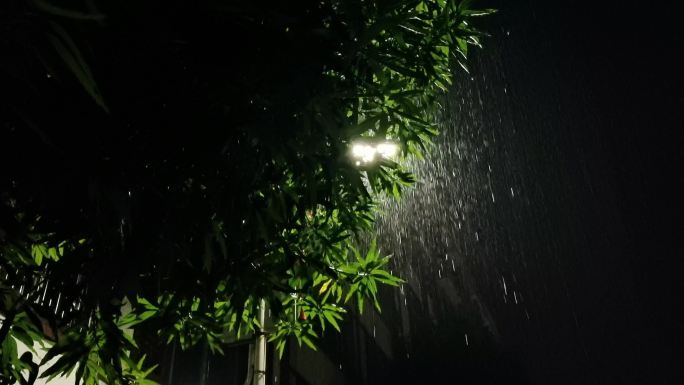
pixel 628 54
pixel 576 107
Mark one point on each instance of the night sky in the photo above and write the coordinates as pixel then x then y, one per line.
pixel 626 57
pixel 629 53
pixel 578 108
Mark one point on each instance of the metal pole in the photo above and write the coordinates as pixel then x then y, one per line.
pixel 260 348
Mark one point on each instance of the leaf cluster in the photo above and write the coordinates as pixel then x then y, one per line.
pixel 175 166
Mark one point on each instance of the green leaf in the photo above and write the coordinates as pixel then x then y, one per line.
pixel 63 364
pixel 66 48
pixel 280 347
pixel 55 10
pixel 359 301
pixel 21 335
pixel 331 320
pixel 479 12
pixel 324 287
pixel 352 289
pixel 9 351
pixel 308 342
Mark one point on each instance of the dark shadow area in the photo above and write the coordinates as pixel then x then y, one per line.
pixel 547 216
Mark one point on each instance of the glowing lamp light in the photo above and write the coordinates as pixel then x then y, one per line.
pixel 387 149
pixel 363 152
pixel 366 153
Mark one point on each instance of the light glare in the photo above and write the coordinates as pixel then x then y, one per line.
pixel 387 150
pixel 366 153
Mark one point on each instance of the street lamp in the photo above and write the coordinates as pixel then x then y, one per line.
pixel 365 153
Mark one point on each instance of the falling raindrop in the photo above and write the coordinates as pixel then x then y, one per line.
pixel 504 285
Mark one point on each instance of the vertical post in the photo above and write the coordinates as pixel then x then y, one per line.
pixel 260 348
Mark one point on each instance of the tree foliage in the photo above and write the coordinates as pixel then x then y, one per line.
pixel 167 166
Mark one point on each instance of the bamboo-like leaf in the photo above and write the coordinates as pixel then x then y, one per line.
pixel 331 320
pixel 308 342
pixel 325 286
pixel 359 301
pixel 479 12
pixel 55 10
pixel 352 289
pixel 68 50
